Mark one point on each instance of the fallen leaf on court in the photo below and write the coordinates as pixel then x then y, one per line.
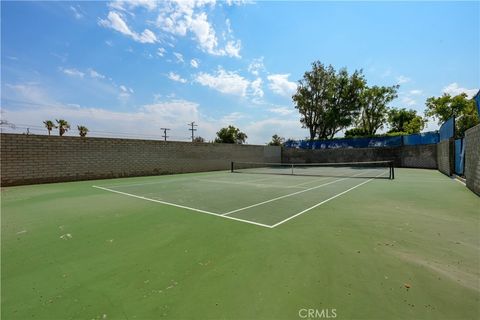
pixel 407 285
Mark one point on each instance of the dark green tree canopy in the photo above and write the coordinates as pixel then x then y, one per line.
pixel 276 140
pixel 459 106
pixel 231 134
pixel 328 101
pixel 62 126
pixel 403 120
pixel 374 101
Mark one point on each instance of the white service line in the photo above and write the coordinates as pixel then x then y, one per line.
pixel 324 201
pixel 251 183
pixel 288 195
pixel 183 207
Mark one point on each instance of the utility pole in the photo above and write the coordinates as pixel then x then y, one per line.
pixel 165 133
pixel 193 129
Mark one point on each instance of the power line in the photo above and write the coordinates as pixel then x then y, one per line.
pixel 165 133
pixel 192 124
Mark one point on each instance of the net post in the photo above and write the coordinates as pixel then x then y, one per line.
pixel 231 166
pixel 392 171
pixel 292 169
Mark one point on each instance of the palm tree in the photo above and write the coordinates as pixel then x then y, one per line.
pixel 82 130
pixel 49 125
pixel 63 126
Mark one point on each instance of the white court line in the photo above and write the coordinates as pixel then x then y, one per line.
pixel 250 183
pixel 289 195
pixel 311 181
pixel 166 180
pixel 183 207
pixel 324 201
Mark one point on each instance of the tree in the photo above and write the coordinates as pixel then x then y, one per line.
pixel 82 130
pixel 62 126
pixel 374 109
pixel 198 139
pixel 276 140
pixel 230 134
pixel 403 120
pixel 355 132
pixel 459 106
pixel 49 125
pixel 328 101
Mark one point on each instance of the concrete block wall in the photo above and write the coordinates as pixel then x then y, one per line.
pixel 420 156
pixel 446 157
pixel 29 159
pixel 472 158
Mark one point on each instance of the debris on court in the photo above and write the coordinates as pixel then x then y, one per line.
pixel 407 285
pixel 23 231
pixel 66 236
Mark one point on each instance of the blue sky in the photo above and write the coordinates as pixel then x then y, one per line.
pixel 133 67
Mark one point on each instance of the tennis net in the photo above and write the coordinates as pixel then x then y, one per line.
pixel 372 169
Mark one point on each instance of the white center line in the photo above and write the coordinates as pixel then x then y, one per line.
pixel 288 195
pixel 184 207
pixel 324 201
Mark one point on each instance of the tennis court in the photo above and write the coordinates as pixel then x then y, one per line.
pixel 263 194
pixel 243 245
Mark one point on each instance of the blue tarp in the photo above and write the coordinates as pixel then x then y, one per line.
pixel 477 100
pixel 459 156
pixel 374 142
pixel 421 138
pixel 447 130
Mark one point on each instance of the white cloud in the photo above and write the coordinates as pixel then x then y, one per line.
pixel 126 89
pixel 231 118
pixel 279 84
pixel 403 79
pixel 283 111
pixel 224 81
pixel 131 4
pixel 415 92
pixel 454 89
pixel 232 48
pixel 408 101
pixel 73 72
pixel 115 21
pixel 77 12
pixel 170 112
pixel 161 52
pixel 147 36
pixel 176 77
pixel 96 75
pixel 179 57
pixel 256 66
pixel 256 87
pixel 261 132
pixel 194 63
pixel 182 17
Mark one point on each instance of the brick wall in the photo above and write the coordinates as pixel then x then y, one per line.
pixel 472 158
pixel 420 156
pixel 28 159
pixel 446 157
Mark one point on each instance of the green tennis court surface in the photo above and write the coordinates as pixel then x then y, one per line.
pixel 242 245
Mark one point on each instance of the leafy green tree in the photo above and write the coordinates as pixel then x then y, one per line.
pixel 82 130
pixel 49 125
pixel 355 132
pixel 327 100
pixel 231 134
pixel 62 126
pixel 444 107
pixel 276 140
pixel 403 120
pixel 374 111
